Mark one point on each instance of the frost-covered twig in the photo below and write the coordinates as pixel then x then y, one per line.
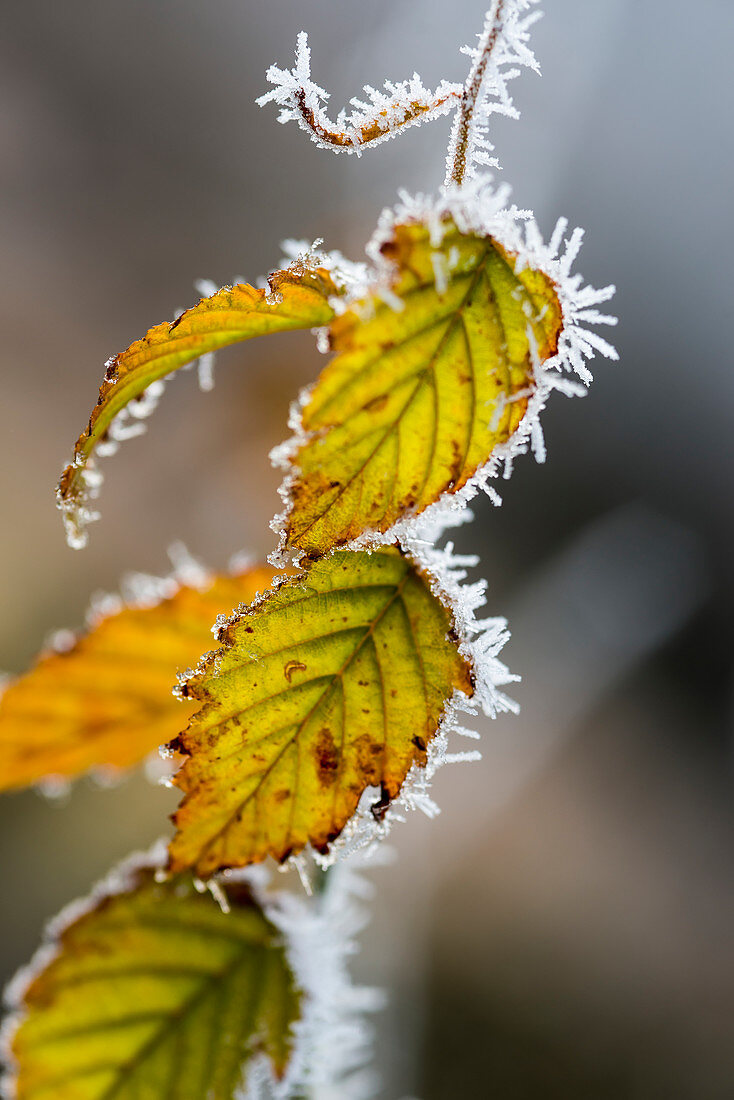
pixel 503 42
pixel 463 119
pixel 399 106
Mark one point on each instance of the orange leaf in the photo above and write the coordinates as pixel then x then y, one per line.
pixel 107 701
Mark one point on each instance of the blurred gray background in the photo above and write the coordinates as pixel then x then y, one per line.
pixel 565 927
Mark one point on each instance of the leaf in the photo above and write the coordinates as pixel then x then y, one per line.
pixel 107 700
pixel 156 992
pixel 417 399
pixel 295 300
pixel 335 682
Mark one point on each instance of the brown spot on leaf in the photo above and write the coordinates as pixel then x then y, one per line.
pixel 376 404
pixel 327 756
pixel 369 754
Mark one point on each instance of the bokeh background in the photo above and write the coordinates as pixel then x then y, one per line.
pixel 564 928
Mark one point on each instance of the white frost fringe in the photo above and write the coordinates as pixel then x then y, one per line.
pixel 332 1042
pixel 480 642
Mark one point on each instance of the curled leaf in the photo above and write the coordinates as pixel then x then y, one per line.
pixel 431 374
pixel 105 700
pixel 296 299
pixel 154 991
pixel 335 682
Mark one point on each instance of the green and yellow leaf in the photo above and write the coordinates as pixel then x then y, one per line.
pixel 107 700
pixel 416 400
pixel 156 992
pixel 295 300
pixel 335 682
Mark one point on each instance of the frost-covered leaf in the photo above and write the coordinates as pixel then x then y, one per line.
pixel 153 991
pixel 434 369
pixel 335 682
pixel 104 699
pixel 297 299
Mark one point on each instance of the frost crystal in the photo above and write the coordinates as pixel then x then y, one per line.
pixel 332 1039
pixel 348 276
pixel 143 590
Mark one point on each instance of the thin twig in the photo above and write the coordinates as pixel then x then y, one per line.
pixel 373 128
pixel 461 130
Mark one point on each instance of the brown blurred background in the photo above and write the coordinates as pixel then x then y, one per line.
pixel 564 929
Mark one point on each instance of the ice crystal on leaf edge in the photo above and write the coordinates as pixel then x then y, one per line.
pixel 475 208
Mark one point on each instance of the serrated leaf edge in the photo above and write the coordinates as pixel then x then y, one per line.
pixel 479 641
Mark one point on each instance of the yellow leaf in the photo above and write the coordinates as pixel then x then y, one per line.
pixel 156 992
pixel 417 398
pixel 296 300
pixel 107 700
pixel 335 682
